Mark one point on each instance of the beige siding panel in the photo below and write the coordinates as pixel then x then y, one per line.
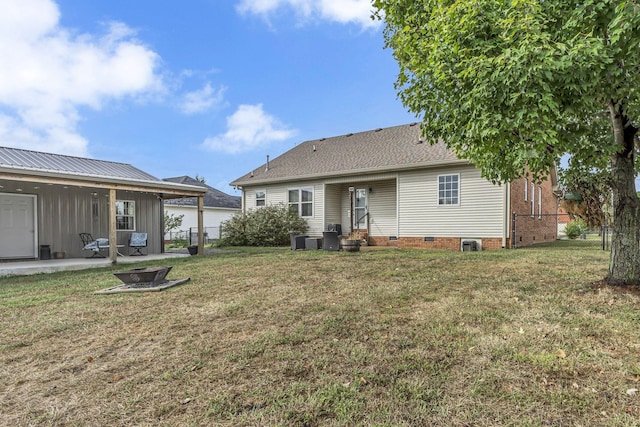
pixel 332 204
pixel 279 193
pixel 365 178
pixel 381 199
pixel 382 209
pixel 480 213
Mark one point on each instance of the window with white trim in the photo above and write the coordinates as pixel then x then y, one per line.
pixel 539 202
pixel 301 201
pixel 526 188
pixel 533 200
pixel 448 190
pixel 261 198
pixel 125 215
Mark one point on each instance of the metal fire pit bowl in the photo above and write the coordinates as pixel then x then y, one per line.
pixel 147 276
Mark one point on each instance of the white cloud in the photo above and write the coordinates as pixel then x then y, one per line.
pixel 202 100
pixel 248 128
pixel 48 73
pixel 342 11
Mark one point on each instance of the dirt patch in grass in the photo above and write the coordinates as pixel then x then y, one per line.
pixel 280 337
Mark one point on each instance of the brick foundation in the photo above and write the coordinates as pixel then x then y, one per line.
pixel 441 243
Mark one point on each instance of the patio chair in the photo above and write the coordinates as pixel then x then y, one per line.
pixel 137 241
pixel 95 245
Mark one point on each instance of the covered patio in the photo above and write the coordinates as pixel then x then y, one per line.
pixel 47 200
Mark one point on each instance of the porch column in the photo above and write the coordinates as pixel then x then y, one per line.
pixel 201 225
pixel 113 236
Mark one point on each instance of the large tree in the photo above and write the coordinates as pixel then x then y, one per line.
pixel 513 85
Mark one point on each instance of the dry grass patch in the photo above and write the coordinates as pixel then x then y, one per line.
pixel 275 337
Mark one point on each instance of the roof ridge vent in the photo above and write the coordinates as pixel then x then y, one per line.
pixel 413 124
pixel 349 134
pixel 322 139
pixel 378 130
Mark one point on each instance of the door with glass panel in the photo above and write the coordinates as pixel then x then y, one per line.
pixel 360 209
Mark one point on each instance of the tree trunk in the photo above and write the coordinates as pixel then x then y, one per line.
pixel 624 268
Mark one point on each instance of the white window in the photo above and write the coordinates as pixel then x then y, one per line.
pixel 301 201
pixel 125 215
pixel 539 202
pixel 533 199
pixel 261 198
pixel 526 188
pixel 449 189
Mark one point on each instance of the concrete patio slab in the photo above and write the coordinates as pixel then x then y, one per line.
pixel 23 268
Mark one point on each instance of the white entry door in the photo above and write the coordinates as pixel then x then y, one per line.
pixel 360 208
pixel 17 226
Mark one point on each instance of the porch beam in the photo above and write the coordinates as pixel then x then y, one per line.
pixel 101 185
pixel 201 225
pixel 113 236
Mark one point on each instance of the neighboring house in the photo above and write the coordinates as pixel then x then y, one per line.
pixel 400 191
pixel 48 199
pixel 218 207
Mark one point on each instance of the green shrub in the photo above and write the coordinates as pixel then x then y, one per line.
pixel 575 228
pixel 265 226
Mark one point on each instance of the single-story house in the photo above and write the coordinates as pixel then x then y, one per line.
pixel 399 190
pixel 218 207
pixel 47 200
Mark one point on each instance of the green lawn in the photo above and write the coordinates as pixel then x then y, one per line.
pixel 305 338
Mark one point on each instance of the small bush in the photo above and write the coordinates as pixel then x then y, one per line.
pixel 265 226
pixel 575 228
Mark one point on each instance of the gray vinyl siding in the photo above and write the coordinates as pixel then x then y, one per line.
pixel 479 214
pixel 64 213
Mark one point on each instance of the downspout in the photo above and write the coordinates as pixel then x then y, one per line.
pixel 324 204
pixel 506 203
pixel 161 199
pixel 201 224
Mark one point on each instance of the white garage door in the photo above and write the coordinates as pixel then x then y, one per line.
pixel 17 226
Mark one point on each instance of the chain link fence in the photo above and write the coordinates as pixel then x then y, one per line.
pixel 527 230
pixel 190 236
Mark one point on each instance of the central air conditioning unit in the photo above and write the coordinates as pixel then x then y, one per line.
pixel 467 245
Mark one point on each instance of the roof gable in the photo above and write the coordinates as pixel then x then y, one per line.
pixel 213 198
pixel 394 148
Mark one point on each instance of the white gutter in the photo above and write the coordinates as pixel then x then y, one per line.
pixel 506 199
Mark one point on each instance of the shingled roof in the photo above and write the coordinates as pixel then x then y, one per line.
pixel 213 198
pixel 379 150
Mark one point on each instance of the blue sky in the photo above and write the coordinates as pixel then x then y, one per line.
pixel 207 87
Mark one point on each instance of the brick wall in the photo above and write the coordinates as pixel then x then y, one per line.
pixel 541 227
